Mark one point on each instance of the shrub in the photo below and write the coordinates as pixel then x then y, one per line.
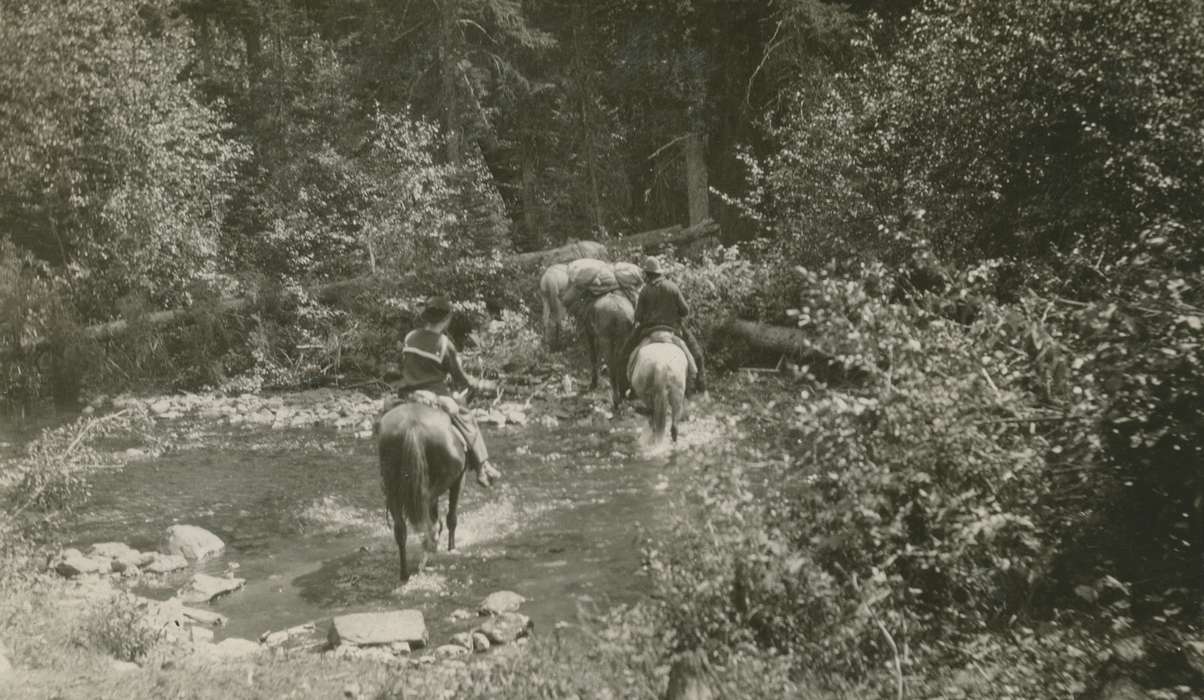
pixel 915 501
pixel 119 627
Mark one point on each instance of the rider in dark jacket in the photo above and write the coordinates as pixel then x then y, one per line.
pixel 428 361
pixel 660 304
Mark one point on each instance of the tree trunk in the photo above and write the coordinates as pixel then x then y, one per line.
pixel 697 195
pixel 586 119
pixel 530 199
pixel 696 142
pixel 449 76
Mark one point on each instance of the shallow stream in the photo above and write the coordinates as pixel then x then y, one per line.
pixel 302 515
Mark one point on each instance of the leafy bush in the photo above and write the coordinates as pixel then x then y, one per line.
pixel 512 344
pixel 916 500
pixel 119 627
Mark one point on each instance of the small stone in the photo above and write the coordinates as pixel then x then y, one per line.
pixel 400 648
pixel 459 614
pixel 123 666
pixel 464 639
pixel 6 666
pixel 480 643
pixel 506 628
pixel 351 690
pixel 449 651
pixel 1129 649
pixel 501 602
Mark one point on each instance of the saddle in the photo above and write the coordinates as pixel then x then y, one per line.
pixel 664 334
pixel 423 397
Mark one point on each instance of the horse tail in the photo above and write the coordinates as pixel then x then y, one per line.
pixel 406 476
pixel 418 494
pixel 662 404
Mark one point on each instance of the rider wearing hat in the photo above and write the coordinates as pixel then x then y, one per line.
pixel 428 360
pixel 660 304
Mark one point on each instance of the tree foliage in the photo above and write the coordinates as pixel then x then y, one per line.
pixel 112 168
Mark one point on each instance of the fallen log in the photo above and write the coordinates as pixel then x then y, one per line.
pixel 667 236
pixel 763 336
pixel 564 253
pixel 102 331
pixel 794 344
pixel 573 250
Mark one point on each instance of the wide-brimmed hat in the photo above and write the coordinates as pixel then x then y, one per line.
pixel 651 265
pixel 436 307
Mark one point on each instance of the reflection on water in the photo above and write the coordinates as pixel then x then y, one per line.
pixel 303 518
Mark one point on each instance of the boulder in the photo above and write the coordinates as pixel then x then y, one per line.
pixel 191 542
pixel 73 564
pixel 205 588
pixel 501 602
pixel 464 639
pixel 506 627
pixel 480 643
pixel 379 628
pixel 200 634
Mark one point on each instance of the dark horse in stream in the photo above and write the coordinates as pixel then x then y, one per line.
pixel 608 322
pixel 421 458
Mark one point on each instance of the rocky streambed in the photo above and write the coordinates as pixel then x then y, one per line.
pixel 288 551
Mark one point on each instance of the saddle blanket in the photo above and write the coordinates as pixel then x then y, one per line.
pixel 664 336
pixel 426 398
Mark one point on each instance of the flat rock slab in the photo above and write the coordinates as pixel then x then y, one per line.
pixel 204 617
pixel 506 628
pixel 191 542
pixel 205 588
pixel 375 628
pixel 501 602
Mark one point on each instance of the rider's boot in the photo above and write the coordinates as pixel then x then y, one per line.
pixel 487 474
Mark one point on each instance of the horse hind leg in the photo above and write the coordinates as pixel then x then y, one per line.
pixel 399 534
pixel 453 500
